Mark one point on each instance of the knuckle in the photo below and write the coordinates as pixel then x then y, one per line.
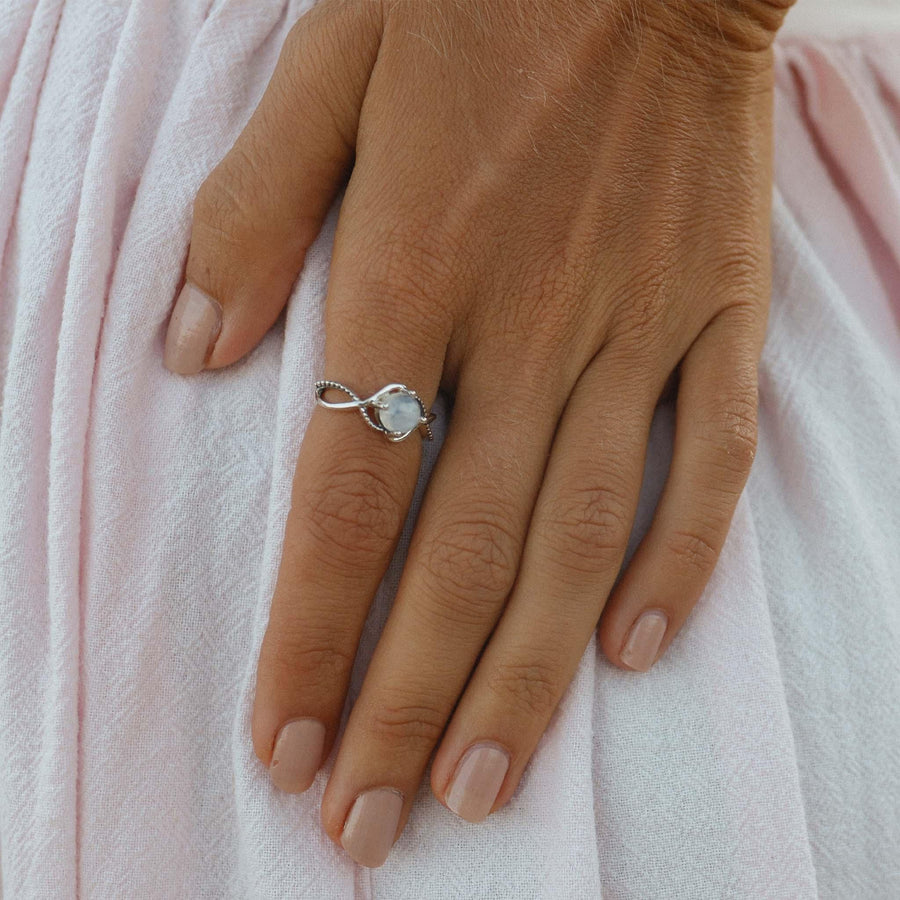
pixel 416 726
pixel 692 551
pixel 553 311
pixel 471 564
pixel 531 689
pixel 732 433
pixel 354 509
pixel 399 280
pixel 585 528
pixel 639 319
pixel 312 665
pixel 218 204
pixel 415 256
pixel 739 269
pixel 228 206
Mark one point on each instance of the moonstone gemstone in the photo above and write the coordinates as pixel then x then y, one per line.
pixel 402 413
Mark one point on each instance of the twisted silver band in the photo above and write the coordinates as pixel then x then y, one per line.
pixel 390 410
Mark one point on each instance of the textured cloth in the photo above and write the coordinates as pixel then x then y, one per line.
pixel 142 514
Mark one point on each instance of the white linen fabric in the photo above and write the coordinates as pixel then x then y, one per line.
pixel 142 514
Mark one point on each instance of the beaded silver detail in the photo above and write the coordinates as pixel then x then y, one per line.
pixel 387 404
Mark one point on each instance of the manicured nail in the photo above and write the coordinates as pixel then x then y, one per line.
pixel 643 642
pixel 195 324
pixel 369 831
pixel 297 754
pixel 478 779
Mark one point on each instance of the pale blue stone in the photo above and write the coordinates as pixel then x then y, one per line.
pixel 402 414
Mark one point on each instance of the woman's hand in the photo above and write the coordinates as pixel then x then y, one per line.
pixel 553 205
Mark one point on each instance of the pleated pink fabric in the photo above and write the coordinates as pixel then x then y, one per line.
pixel 141 519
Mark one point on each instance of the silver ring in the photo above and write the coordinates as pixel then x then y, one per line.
pixel 388 410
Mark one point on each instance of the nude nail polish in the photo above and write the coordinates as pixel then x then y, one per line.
pixel 369 831
pixel 477 781
pixel 297 754
pixel 193 329
pixel 643 642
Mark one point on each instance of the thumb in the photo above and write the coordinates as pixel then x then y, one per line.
pixel 262 206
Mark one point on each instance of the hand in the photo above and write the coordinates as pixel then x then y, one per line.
pixel 552 207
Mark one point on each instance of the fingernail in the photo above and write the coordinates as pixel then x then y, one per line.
pixel 193 328
pixel 369 831
pixel 478 779
pixel 297 754
pixel 643 642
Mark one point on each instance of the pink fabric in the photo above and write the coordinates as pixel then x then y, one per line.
pixel 840 173
pixel 141 518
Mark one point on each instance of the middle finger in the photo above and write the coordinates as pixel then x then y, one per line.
pixel 460 568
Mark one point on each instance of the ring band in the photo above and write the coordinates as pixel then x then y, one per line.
pixel 396 410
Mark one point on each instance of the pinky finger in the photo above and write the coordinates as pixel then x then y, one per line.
pixel 715 443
